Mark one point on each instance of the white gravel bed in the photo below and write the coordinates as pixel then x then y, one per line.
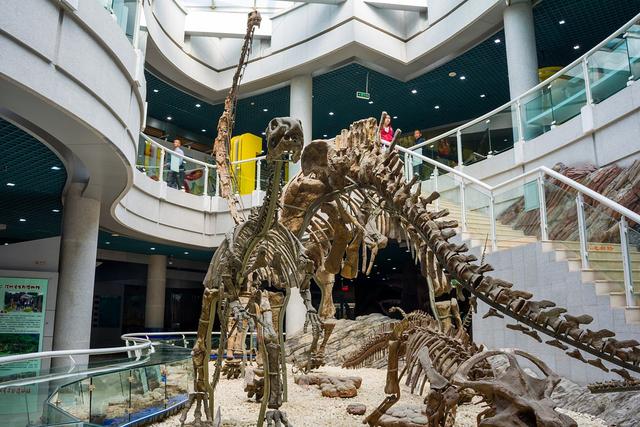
pixel 306 407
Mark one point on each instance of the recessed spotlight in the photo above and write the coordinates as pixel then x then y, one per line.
pixel 156 91
pixel 437 107
pixel 153 249
pixel 393 268
pixel 253 103
pixel 55 168
pixel 388 259
pixel 414 91
pixel 169 118
pixel 483 96
pixel 395 117
pixel 115 235
pixel 452 74
pixel 264 133
pixel 11 184
pixel 576 47
pixel 488 121
pixel 463 78
pixel 265 109
pixel 331 113
pixel 561 22
pixel 55 210
pixel 186 252
pixel 198 105
pixel 107 243
pixel 204 130
pixel 370 102
pixel 497 41
pixel 325 135
pixel 22 220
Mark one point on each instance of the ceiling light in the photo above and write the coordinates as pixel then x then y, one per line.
pixel 331 113
pixel 169 118
pixel 414 91
pixel 156 91
pixel 483 96
pixel 395 117
pixel 265 109
pixel 463 78
pixel 561 22
pixel 107 243
pixel 264 133
pixel 197 105
pixel 324 136
pixel 576 47
pixel 370 102
pixel 55 168
pixel 496 41
pixel 204 130
pixel 393 268
pixel 388 259
pixel 186 253
pixel 55 210
pixel 153 249
pixel 22 220
pixel 453 74
pixel 10 184
pixel 437 107
pixel 253 103
pixel 115 235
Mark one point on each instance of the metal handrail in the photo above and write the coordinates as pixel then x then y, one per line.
pixel 547 82
pixel 79 352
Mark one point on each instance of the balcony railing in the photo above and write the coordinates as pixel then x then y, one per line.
pixel 603 71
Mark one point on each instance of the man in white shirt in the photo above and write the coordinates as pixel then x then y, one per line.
pixel 175 177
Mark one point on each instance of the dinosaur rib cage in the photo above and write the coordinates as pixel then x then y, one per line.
pixel 378 175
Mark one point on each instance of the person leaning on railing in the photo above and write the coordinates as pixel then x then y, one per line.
pixel 175 176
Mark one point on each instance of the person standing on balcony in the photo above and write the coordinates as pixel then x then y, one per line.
pixel 176 167
pixel 386 131
pixel 418 165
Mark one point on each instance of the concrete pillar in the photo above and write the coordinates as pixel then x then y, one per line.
pixel 296 313
pixel 301 107
pixel 77 269
pixel 156 285
pixel 520 40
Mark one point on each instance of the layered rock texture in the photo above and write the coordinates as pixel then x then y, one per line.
pixel 621 185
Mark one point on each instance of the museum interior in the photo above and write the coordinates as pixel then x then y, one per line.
pixel 394 213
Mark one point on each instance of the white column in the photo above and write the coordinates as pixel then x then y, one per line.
pixel 156 285
pixel 296 313
pixel 520 40
pixel 77 269
pixel 301 107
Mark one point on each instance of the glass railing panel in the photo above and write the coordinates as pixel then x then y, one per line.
pixel 445 150
pixel 609 69
pixel 489 137
pixel 178 378
pixel 603 244
pixel 110 399
pixel 74 399
pixel 633 246
pixel 568 94
pixel 149 158
pixel 537 113
pixel 561 213
pixel 517 212
pixel 193 178
pixel 450 198
pixel 125 13
pixel 245 174
pixel 477 210
pixel 420 167
pixel 633 49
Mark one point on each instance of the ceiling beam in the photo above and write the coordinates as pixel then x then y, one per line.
pixel 406 5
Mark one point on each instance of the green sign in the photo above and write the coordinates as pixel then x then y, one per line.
pixel 22 312
pixel 363 95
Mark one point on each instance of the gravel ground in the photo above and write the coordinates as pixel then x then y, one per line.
pixel 306 407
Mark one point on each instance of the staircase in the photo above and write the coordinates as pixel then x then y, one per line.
pixel 605 273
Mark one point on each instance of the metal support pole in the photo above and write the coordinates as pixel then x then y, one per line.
pixel 587 82
pixel 258 173
pixel 459 146
pixel 519 121
pixel 626 262
pixel 161 169
pixel 544 231
pixel 217 183
pixel 463 212
pixel 435 186
pixel 582 230
pixel 492 214
pixel 206 181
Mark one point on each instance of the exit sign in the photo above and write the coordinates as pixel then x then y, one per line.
pixel 363 95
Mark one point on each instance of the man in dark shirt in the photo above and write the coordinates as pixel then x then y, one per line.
pixel 418 165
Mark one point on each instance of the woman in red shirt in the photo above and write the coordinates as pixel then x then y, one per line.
pixel 386 131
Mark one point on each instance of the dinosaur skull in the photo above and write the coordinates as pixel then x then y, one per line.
pixel 284 136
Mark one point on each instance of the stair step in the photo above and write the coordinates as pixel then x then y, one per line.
pixel 619 299
pixel 565 254
pixel 591 275
pixel 632 315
